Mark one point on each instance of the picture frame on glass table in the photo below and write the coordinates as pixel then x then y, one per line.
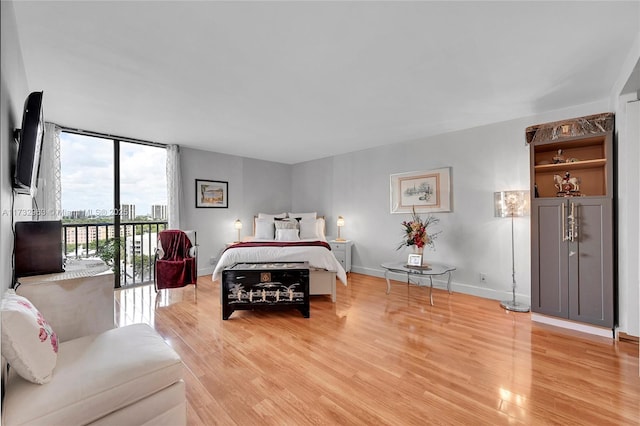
pixel 414 260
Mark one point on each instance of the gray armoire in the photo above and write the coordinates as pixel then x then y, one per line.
pixel 572 219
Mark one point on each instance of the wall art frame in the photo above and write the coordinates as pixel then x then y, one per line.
pixel 212 194
pixel 426 191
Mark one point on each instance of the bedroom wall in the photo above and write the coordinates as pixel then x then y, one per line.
pixel 482 160
pixel 309 186
pixel 13 92
pixel 254 186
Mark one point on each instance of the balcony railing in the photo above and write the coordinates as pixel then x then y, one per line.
pixel 138 243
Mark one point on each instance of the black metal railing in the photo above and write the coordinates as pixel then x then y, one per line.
pixel 138 243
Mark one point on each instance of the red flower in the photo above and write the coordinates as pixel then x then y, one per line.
pixel 415 231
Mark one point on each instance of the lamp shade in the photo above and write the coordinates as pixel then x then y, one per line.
pixel 340 221
pixel 511 203
pixel 237 224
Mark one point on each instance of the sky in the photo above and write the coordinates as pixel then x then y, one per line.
pixel 87 175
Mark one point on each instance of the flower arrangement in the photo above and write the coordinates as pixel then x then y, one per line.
pixel 416 231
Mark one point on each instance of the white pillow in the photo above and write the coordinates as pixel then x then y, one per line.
pixel 286 224
pixel 303 215
pixel 287 235
pixel 264 229
pixel 320 223
pixel 309 229
pixel 29 344
pixel 271 216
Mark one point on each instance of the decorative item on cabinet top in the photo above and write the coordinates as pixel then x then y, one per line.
pixel 580 126
pixel 567 185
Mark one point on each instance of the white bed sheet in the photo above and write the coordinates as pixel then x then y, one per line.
pixel 317 256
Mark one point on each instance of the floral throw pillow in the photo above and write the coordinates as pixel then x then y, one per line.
pixel 29 344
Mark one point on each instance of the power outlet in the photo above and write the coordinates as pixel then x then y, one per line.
pixel 483 277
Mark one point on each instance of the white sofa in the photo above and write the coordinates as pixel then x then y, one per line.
pixel 117 376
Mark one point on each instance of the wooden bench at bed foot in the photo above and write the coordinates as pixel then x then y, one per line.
pixel 265 286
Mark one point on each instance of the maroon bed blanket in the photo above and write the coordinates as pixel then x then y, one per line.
pixel 279 244
pixel 175 268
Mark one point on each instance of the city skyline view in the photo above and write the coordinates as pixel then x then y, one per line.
pixel 87 166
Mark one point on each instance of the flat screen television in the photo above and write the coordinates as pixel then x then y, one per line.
pixel 38 248
pixel 30 138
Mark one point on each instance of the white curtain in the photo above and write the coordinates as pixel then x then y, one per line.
pixel 48 195
pixel 174 186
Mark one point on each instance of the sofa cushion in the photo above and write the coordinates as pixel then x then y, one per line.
pixel 29 344
pixel 167 407
pixel 95 375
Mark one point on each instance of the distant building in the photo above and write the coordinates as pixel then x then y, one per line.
pixel 76 214
pixel 141 245
pixel 88 234
pixel 127 211
pixel 159 211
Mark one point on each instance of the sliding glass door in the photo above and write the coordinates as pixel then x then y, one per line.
pixel 114 201
pixel 143 207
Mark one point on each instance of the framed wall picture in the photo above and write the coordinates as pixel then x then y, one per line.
pixel 428 191
pixel 212 193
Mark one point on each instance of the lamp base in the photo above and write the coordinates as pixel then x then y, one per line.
pixel 511 305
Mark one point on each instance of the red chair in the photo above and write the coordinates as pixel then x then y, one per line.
pixel 176 261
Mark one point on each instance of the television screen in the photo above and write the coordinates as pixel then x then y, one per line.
pixel 29 146
pixel 38 248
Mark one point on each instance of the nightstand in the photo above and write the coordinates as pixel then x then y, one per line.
pixel 342 252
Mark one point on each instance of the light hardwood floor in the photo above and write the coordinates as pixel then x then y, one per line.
pixel 373 359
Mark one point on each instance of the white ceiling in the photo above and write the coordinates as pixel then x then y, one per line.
pixel 296 81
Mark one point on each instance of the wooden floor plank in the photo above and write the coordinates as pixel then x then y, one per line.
pixel 374 359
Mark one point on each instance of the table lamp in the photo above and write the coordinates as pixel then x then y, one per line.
pixel 340 224
pixel 238 225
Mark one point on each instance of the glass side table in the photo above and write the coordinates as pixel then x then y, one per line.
pixel 434 269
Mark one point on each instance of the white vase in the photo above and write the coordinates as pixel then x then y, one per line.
pixel 420 251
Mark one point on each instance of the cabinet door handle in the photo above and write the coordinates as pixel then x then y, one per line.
pixel 574 222
pixel 563 219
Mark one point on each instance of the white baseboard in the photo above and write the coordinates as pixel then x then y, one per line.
pixel 572 325
pixel 205 271
pixel 438 282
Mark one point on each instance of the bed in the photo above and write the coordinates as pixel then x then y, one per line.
pixel 288 238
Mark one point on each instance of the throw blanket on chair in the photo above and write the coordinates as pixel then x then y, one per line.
pixel 176 268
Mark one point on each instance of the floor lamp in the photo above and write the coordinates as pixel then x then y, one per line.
pixel 512 204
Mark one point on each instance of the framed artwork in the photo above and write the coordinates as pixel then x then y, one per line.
pixel 212 193
pixel 428 191
pixel 414 260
